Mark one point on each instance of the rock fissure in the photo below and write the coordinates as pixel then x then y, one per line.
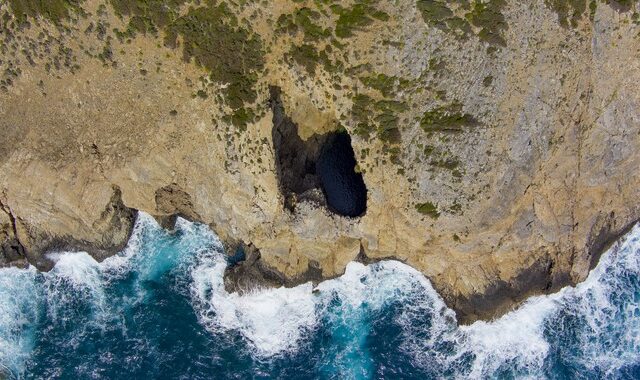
pixel 13 252
pixel 7 211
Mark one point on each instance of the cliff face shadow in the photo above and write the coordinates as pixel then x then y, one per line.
pixel 321 170
pixel 343 187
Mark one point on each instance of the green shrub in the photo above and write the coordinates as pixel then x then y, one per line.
pixel 233 55
pixel 428 209
pixel 361 15
pixel 53 10
pixel 446 119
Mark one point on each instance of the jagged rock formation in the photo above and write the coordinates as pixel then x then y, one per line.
pixel 497 139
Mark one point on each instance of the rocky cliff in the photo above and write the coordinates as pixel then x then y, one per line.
pixel 497 140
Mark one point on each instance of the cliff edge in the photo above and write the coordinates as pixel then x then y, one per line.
pixel 493 145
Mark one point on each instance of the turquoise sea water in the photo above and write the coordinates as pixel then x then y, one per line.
pixel 159 311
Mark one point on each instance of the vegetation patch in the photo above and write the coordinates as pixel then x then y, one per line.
pixel 485 15
pixel 233 55
pixel 449 163
pixel 387 85
pixel 438 14
pixel 303 20
pixel 147 15
pixel 434 11
pixel 361 112
pixel 593 6
pixel 569 11
pixel 446 119
pixel 459 26
pixel 52 10
pixel 488 16
pixel 428 209
pixel 212 37
pixel 361 15
pixel 388 120
pixel 377 117
pixel 305 55
pixel 623 5
pixel 241 118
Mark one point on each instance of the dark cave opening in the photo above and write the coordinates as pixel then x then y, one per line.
pixel 342 186
pixel 320 169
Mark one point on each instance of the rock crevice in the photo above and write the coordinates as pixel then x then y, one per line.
pixel 12 251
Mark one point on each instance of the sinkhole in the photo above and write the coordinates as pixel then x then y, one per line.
pixel 320 170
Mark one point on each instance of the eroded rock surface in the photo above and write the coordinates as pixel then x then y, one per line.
pixel 498 140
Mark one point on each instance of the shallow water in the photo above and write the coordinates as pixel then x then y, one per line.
pixel 159 310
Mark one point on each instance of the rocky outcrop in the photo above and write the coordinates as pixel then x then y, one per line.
pixel 107 234
pixel 12 251
pixel 497 140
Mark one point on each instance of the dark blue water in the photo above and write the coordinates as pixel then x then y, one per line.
pixel 159 311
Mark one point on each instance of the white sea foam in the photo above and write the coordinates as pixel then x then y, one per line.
pixel 518 343
pixel 610 338
pixel 120 264
pixel 19 298
pixel 26 295
pixel 280 321
pixel 82 270
pixel 78 277
pixel 365 291
pixel 273 321
pixel 375 284
pixel 518 338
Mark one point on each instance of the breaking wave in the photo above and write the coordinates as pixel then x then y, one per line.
pixel 159 310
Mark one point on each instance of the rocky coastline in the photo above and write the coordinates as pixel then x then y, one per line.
pixel 497 141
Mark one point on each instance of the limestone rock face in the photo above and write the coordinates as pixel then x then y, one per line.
pixel 498 141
